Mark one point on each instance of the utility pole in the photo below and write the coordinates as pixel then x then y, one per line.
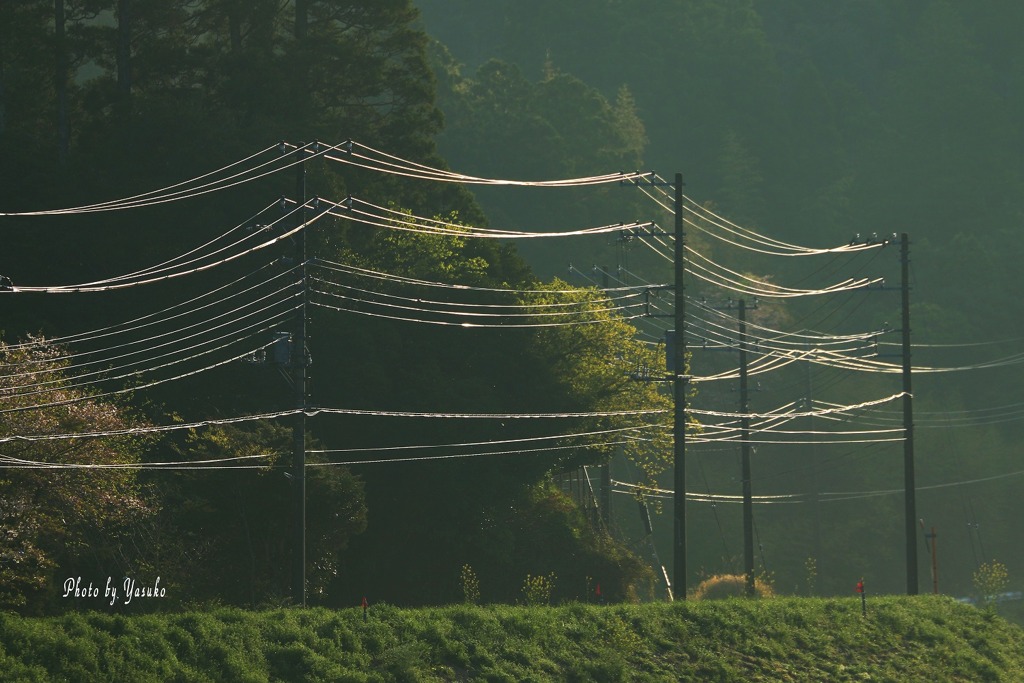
pixel 748 512
pixel 931 541
pixel 815 496
pixel 299 377
pixel 679 383
pixel 908 423
pixel 676 361
pixel 606 466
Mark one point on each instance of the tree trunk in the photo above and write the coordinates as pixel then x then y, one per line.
pixel 124 49
pixel 60 83
pixel 301 19
pixel 235 26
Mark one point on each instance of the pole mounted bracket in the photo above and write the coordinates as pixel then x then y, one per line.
pixel 649 179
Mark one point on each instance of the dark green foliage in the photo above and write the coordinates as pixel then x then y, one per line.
pixel 484 511
pixel 224 535
pixel 503 123
pixel 210 82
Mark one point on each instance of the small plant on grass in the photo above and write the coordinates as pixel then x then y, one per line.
pixel 470 585
pixel 537 589
pixel 989 581
pixel 811 567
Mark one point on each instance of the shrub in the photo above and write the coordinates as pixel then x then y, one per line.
pixel 470 585
pixel 537 589
pixel 723 586
pixel 989 581
pixel 811 566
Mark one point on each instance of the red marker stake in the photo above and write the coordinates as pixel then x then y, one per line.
pixel 863 598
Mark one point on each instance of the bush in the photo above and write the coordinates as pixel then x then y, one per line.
pixel 723 586
pixel 537 589
pixel 470 585
pixel 990 580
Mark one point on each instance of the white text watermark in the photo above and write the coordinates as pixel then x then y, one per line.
pixel 125 591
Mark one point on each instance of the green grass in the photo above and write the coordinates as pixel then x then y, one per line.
pixel 782 639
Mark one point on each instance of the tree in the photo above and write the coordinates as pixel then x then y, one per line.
pixel 58 520
pixel 594 367
pixel 166 92
pixel 742 181
pixel 156 92
pixel 501 124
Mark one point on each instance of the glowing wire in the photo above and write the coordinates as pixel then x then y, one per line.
pixel 128 202
pixel 473 324
pixel 90 397
pixel 174 340
pixel 411 169
pixel 65 289
pixel 472 313
pixel 62 383
pixel 131 326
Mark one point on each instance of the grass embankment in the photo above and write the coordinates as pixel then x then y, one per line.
pixel 782 639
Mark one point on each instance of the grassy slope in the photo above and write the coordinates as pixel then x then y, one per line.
pixel 783 639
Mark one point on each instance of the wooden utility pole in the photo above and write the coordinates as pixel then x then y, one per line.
pixel 748 512
pixel 299 367
pixel 815 495
pixel 931 541
pixel 679 382
pixel 909 487
pixel 606 466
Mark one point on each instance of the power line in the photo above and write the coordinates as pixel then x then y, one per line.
pixel 65 289
pixel 91 397
pixel 393 165
pixel 153 319
pixel 176 337
pixel 392 219
pixel 400 279
pixel 466 324
pixel 154 196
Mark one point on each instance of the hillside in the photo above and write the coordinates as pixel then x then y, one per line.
pixel 783 639
pixel 808 122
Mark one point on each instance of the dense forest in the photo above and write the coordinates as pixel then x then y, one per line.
pixel 811 123
pixel 147 330
pixel 148 417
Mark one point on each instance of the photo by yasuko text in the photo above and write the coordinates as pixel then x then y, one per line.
pixel 113 591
